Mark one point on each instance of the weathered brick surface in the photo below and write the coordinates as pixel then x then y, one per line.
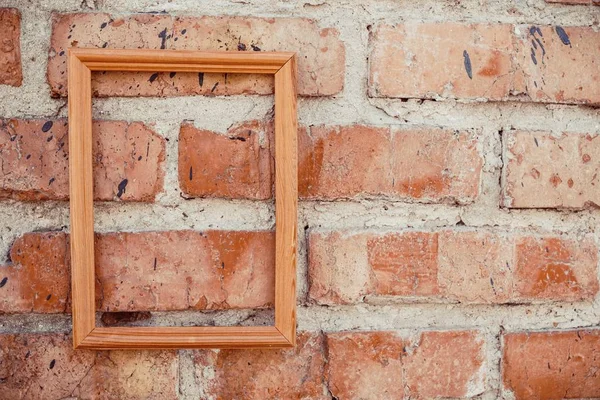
pixel 584 2
pixel 330 167
pixel 552 365
pixel 266 374
pixel 560 63
pixel 462 266
pixel 235 165
pixel 10 47
pixel 39 278
pixel 321 55
pixel 239 164
pixel 128 160
pixel 45 366
pixel 171 270
pixel 442 59
pixel 365 365
pixel 546 171
pixel 376 365
pixel 550 64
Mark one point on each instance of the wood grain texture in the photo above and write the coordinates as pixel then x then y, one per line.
pixel 286 199
pixel 85 334
pixel 81 195
pixel 228 337
pixel 182 61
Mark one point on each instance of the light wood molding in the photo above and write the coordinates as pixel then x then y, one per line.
pixel 85 334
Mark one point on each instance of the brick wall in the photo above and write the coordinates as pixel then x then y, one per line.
pixel 449 160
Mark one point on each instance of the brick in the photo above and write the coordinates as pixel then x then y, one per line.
pixel 546 171
pixel 365 365
pixel 147 271
pixel 560 64
pixel 446 364
pixel 553 268
pixel 404 264
pixel 375 365
pixel 10 52
pixel 475 267
pixel 265 374
pixel 448 164
pixel 39 278
pixel 480 267
pixel 552 365
pixel 237 165
pixel 45 366
pixel 128 160
pixel 498 62
pixel 321 55
pixel 454 60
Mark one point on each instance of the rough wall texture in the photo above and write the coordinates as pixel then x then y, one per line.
pixel 449 186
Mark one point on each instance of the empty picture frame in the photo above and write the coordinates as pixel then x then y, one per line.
pixel 85 333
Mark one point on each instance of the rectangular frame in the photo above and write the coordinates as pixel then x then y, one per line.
pixel 85 333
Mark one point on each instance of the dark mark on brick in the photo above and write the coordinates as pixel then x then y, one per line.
pixel 183 31
pixel 536 142
pixel 139 158
pixel 255 48
pixel 50 181
pixel 191 173
pixel 103 25
pixel 52 363
pixel 214 87
pixel 241 47
pixel 533 57
pixel 3 281
pixel 163 36
pixel 104 45
pixel 122 187
pixel 62 53
pixel 47 126
pixel 467 61
pixel 200 78
pixel 48 297
pixel 563 36
pixel 153 77
pixel 49 138
pixel 172 74
pixel 155 263
pixel 240 138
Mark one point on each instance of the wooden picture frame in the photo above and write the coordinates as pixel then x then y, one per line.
pixel 85 333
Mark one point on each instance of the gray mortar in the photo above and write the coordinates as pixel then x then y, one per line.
pixel 351 18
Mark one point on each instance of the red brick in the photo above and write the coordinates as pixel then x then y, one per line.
pixel 457 266
pixel 429 165
pixel 128 160
pixel 10 51
pixel 237 165
pixel 365 365
pixel 172 270
pixel 554 268
pixel 445 364
pixel 45 366
pixel 39 278
pixel 376 365
pixel 546 171
pixel 549 64
pixel 404 264
pixel 552 365
pixel 563 65
pixel 476 266
pixel 321 55
pixel 435 56
pixel 296 373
